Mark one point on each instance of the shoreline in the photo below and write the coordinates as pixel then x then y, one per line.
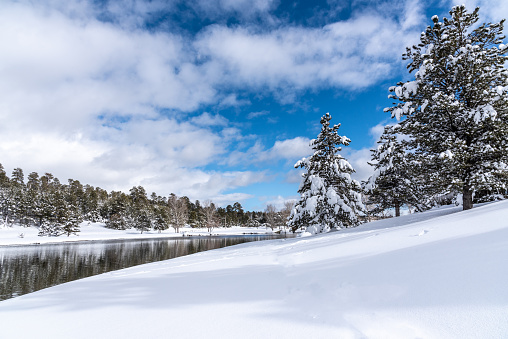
pixel 200 236
pixel 10 235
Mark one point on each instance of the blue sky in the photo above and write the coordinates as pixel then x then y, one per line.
pixel 213 99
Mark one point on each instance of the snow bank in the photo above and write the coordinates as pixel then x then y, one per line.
pixel 444 277
pixel 18 235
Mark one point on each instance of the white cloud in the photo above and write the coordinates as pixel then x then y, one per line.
pixel 377 130
pixel 288 150
pixel 231 198
pixel 198 184
pixel 294 176
pixel 253 115
pixel 232 100
pixel 414 15
pixel 359 160
pixel 243 8
pixel 278 201
pixel 350 54
pixel 207 119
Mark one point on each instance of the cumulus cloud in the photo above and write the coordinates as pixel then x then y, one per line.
pixel 285 150
pixel 294 176
pixel 207 119
pixel 288 149
pixel 279 201
pixel 243 8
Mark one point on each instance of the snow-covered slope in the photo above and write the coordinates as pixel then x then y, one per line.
pixel 444 277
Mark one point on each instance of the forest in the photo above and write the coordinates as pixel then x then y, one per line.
pixel 58 209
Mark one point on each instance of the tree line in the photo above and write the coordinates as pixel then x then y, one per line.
pixel 59 209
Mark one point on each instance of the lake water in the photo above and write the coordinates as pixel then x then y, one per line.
pixel 25 269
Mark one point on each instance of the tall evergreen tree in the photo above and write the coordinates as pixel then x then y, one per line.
pixel 140 215
pixel 32 199
pixel 329 197
pixel 115 211
pixel 18 206
pixel 394 182
pixel 161 217
pixel 456 110
pixel 5 196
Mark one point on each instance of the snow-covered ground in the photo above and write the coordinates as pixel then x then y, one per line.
pixel 18 235
pixel 443 277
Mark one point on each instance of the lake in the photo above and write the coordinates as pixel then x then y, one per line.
pixel 25 269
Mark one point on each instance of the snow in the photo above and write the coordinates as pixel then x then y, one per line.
pixel 424 105
pixel 10 235
pixel 439 274
pixel 446 154
pixel 483 112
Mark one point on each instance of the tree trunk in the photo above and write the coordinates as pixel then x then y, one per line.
pixel 467 198
pixel 397 209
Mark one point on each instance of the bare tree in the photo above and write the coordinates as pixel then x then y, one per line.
pixel 271 215
pixel 286 211
pixel 211 218
pixel 179 212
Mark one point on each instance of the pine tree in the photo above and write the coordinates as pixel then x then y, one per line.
pixel 4 196
pixel 394 182
pixel 456 110
pixel 329 197
pixel 161 217
pixel 56 213
pixel 115 211
pixel 73 217
pixel 12 198
pixel 32 198
pixel 139 209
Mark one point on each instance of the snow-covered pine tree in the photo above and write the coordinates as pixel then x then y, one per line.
pixel 73 218
pixel 161 217
pixel 5 202
pixel 56 213
pixel 329 197
pixel 116 211
pixel 456 109
pixel 140 215
pixel 17 192
pixel 394 182
pixel 33 199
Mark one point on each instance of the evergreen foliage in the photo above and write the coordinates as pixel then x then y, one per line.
pixel 394 182
pixel 329 198
pixel 455 112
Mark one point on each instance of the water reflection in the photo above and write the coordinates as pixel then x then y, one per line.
pixel 27 269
